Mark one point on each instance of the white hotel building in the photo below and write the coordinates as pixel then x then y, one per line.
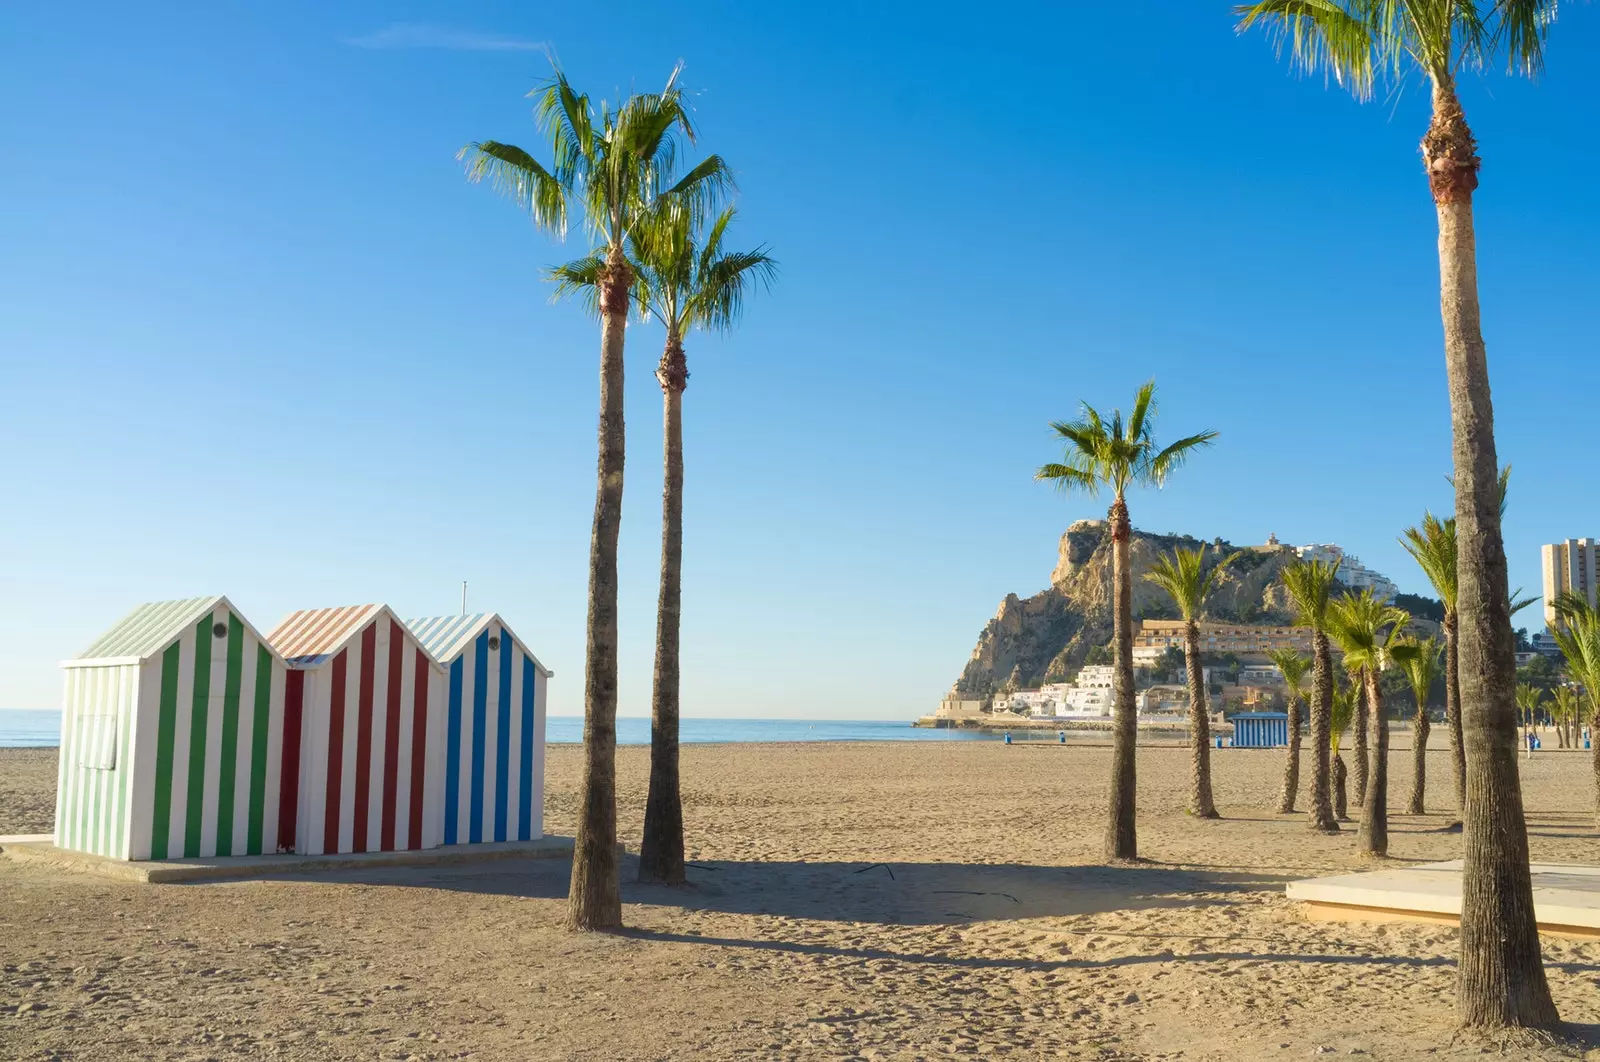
pixel 1352 572
pixel 1089 697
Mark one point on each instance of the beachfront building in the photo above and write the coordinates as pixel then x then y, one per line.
pixel 1091 696
pixel 172 737
pixel 491 784
pixel 1260 675
pixel 1155 636
pixel 371 731
pixel 1572 567
pixel 1352 572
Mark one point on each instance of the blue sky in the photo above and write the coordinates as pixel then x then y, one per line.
pixel 260 337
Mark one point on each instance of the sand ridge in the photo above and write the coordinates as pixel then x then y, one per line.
pixel 879 901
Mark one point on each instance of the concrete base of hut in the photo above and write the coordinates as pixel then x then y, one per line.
pixel 41 852
pixel 1566 898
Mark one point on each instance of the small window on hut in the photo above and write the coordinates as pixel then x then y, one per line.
pixel 97 739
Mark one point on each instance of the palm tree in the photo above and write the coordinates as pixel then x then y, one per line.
pixel 1119 454
pixel 1577 635
pixel 1293 666
pixel 1364 625
pixel 1433 546
pixel 1309 584
pixel 687 280
pixel 1565 710
pixel 1362 42
pixel 616 163
pixel 1420 659
pixel 1340 716
pixel 1529 700
pixel 1187 581
pixel 1358 725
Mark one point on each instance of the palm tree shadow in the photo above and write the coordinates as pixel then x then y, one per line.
pixel 899 893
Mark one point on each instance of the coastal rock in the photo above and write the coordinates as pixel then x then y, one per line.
pixel 1045 637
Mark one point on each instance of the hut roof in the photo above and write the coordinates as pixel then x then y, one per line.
pixel 313 635
pixel 447 636
pixel 150 628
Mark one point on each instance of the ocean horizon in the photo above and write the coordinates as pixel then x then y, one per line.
pixel 41 728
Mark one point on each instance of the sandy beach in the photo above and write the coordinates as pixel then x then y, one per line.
pixel 875 901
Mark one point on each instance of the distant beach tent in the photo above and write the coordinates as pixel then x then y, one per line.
pixel 172 737
pixel 1260 730
pixel 492 786
pixel 371 730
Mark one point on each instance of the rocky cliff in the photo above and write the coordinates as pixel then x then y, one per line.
pixel 1044 638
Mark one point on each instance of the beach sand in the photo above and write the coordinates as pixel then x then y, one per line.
pixel 883 901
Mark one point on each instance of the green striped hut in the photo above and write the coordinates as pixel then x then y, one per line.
pixel 172 736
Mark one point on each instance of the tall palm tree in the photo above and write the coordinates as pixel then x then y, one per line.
pixel 1363 42
pixel 1340 715
pixel 1432 544
pixel 1293 666
pixel 687 280
pixel 1310 585
pixel 1420 659
pixel 1363 712
pixel 1364 625
pixel 1188 582
pixel 616 164
pixel 1119 454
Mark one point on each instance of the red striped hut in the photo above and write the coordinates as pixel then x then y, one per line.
pixel 371 730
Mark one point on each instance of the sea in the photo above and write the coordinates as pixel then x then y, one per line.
pixel 26 728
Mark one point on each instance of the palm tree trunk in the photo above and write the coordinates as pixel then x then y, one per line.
pixel 1200 801
pixel 1452 709
pixel 1122 840
pixel 1341 804
pixel 1502 980
pixel 1373 838
pixel 594 900
pixel 1419 760
pixel 1594 758
pixel 661 853
pixel 1291 762
pixel 1322 812
pixel 1363 713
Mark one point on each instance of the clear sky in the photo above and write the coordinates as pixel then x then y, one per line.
pixel 260 337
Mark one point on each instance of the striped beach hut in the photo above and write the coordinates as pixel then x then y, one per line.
pixel 172 735
pixel 492 781
pixel 371 732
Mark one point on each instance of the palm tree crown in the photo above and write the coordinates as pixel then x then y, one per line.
pixel 1364 625
pixel 616 162
pixel 1294 667
pixel 1363 43
pixel 1117 453
pixel 1310 586
pixel 1433 547
pixel 1420 659
pixel 1185 579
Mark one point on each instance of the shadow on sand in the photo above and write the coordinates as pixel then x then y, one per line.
pixel 885 893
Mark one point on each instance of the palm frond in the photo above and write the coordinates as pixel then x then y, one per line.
pixel 1170 459
pixel 1322 36
pixel 581 278
pixel 517 174
pixel 1067 478
pixel 1433 546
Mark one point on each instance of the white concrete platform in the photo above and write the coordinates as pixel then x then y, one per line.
pixel 1566 899
pixel 39 851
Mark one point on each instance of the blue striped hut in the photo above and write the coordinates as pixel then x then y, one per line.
pixel 492 776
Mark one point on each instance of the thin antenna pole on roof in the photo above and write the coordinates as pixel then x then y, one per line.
pixel 463 597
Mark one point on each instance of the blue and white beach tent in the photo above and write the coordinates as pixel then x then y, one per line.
pixel 1260 730
pixel 493 766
